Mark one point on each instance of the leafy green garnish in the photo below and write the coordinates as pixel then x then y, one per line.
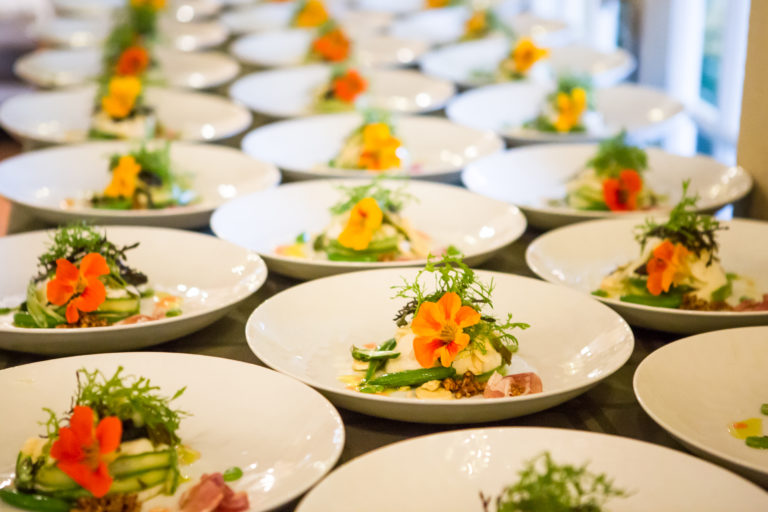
pixel 567 83
pixel 155 164
pixel 614 155
pixel 132 399
pixel 695 231
pixel 545 486
pixel 453 275
pixel 389 199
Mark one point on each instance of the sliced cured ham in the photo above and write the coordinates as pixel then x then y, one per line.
pixel 512 385
pixel 212 494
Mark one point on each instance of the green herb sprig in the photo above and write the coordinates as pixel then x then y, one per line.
pixel 390 199
pixel 695 231
pixel 545 486
pixel 155 164
pixel 453 275
pixel 614 155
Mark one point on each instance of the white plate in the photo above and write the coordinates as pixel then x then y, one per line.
pixel 531 176
pixel 183 10
pixel 291 92
pixel 695 387
pixel 83 32
pixel 436 147
pixel 44 180
pixel 177 262
pixel 581 255
pixel 446 25
pixel 461 62
pixel 68 67
pixel 642 111
pixel 64 116
pixel 572 351
pixel 478 227
pixel 289 47
pixel 447 471
pixel 228 401
pixel 88 7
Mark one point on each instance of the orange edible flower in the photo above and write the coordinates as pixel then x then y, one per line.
pixel 570 107
pixel 379 148
pixel 620 194
pixel 348 86
pixel 333 46
pixel 311 14
pixel 666 267
pixel 476 25
pixel 79 288
pixel 122 95
pixel 436 4
pixel 364 219
pixel 526 54
pixel 124 177
pixel 439 329
pixel 84 450
pixel 154 4
pixel 133 61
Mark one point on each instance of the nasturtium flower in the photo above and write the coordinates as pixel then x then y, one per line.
pixel 379 148
pixel 526 54
pixel 133 61
pixel 436 4
pixel 333 46
pixel 124 177
pixel 364 219
pixel 348 86
pixel 476 25
pixel 620 194
pixel 666 267
pixel 121 97
pixel 570 108
pixel 79 288
pixel 83 450
pixel 154 4
pixel 439 329
pixel 311 14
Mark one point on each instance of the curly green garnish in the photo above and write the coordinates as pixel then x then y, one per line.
pixel 685 226
pixel 453 275
pixel 614 155
pixel 545 486
pixel 390 199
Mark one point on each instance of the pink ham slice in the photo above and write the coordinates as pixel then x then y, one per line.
pixel 512 385
pixel 212 494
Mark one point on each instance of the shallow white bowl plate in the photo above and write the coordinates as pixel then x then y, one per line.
pixel 531 176
pixel 228 400
pixel 695 387
pixel 448 471
pixel 436 148
pixel 642 111
pixel 581 255
pixel 58 117
pixel 474 63
pixel 56 183
pixel 83 32
pixel 586 343
pixel 449 215
pixel 68 67
pixel 183 10
pixel 446 25
pixel 281 48
pixel 177 262
pixel 291 92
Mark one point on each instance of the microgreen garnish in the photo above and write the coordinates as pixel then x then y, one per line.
pixel 74 241
pixel 155 164
pixel 389 199
pixel 547 486
pixel 614 155
pixel 453 275
pixel 695 231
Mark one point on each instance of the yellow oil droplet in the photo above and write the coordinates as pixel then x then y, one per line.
pixel 295 250
pixel 187 455
pixel 745 428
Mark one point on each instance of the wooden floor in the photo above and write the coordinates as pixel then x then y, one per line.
pixel 7 148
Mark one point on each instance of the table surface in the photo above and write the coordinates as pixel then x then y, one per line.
pixel 610 407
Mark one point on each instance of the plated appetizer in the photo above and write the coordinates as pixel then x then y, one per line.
pixel 117 446
pixel 143 179
pixel 447 342
pixel 522 57
pixel 372 146
pixel 569 109
pixel 120 111
pixel 482 23
pixel 751 430
pixel 678 267
pixel 84 281
pixel 366 225
pixel 545 485
pixel 331 44
pixel 612 180
pixel 341 91
pixel 310 14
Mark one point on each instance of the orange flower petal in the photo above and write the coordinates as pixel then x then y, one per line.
pixel 449 305
pixel 466 317
pixel 92 297
pixel 67 447
pixel 96 481
pixel 428 320
pixel 108 433
pixel 448 352
pixel 59 291
pixel 81 423
pixel 426 350
pixel 72 314
pixel 94 264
